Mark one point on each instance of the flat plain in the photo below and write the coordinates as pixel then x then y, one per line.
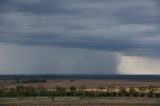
pixel 75 101
pixel 86 101
pixel 89 83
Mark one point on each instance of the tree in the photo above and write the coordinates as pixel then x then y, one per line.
pixel 2 91
pixel 20 88
pixel 133 92
pixel 12 92
pixel 73 88
pixel 30 91
pixel 100 87
pixel 60 91
pixel 112 91
pixel 17 80
pixel 82 88
pixel 41 91
pixel 111 88
pixel 142 89
pixel 152 90
pixel 122 91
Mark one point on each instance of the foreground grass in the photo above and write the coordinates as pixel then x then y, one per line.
pixel 76 101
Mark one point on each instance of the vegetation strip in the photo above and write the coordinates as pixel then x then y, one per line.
pixel 101 91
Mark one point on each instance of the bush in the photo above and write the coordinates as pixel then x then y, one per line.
pixel 73 88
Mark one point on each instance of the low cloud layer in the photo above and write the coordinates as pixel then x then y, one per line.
pixel 129 28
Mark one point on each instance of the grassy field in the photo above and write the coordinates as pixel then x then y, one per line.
pixel 89 83
pixel 75 101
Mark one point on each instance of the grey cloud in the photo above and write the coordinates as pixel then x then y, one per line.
pixel 2 7
pixel 110 25
pixel 15 59
pixel 40 7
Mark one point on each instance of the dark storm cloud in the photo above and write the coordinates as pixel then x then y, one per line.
pixel 2 9
pixel 39 6
pixel 81 42
pixel 123 26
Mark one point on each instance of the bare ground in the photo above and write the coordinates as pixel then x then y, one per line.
pixel 74 101
pixel 89 83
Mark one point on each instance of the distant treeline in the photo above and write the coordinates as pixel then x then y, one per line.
pixel 30 91
pixel 35 80
pixel 82 76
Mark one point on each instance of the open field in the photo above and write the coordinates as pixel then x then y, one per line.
pixel 73 101
pixel 82 101
pixel 89 83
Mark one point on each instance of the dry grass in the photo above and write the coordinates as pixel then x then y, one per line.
pixel 74 101
pixel 89 83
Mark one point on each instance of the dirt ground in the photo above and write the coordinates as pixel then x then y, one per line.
pixel 89 83
pixel 73 101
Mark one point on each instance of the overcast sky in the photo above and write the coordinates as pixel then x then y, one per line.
pixel 79 37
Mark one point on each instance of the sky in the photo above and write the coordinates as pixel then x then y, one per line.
pixel 79 37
